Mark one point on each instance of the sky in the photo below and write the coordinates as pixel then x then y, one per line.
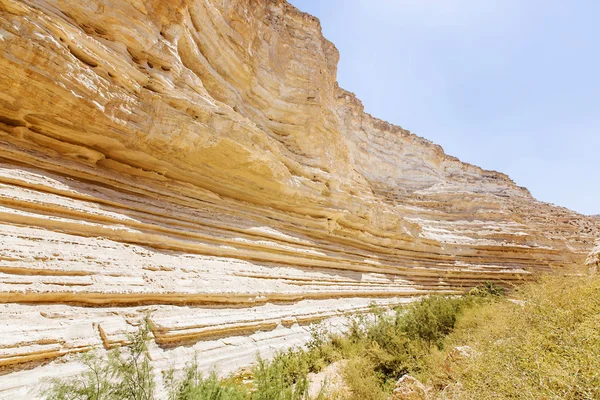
pixel 508 85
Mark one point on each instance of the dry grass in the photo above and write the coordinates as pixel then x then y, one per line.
pixel 546 346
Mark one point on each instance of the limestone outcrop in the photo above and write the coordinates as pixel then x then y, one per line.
pixel 594 258
pixel 194 162
pixel 409 388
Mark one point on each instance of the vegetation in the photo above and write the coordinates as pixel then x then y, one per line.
pixel 543 343
pixel 124 375
pixel 389 346
pixel 194 386
pixel 546 345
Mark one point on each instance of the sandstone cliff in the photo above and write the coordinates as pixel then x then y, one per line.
pixel 195 162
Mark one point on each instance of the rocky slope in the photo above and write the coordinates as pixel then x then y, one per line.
pixel 194 162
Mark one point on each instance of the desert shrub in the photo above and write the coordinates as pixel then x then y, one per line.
pixel 284 378
pixel 362 382
pixel 389 349
pixel 195 386
pixel 383 346
pixel 94 384
pixel 431 319
pixel 487 289
pixel 122 376
pixel 322 349
pixel 546 346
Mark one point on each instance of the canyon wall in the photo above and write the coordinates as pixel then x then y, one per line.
pixel 194 162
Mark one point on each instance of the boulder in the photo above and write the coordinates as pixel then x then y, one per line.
pixel 410 388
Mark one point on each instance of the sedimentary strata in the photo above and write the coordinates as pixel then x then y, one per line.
pixel 194 162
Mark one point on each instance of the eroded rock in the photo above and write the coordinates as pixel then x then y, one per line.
pixel 410 388
pixel 593 260
pixel 456 355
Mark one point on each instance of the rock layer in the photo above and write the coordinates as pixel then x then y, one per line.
pixel 195 162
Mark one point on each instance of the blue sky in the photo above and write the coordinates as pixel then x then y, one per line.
pixel 509 85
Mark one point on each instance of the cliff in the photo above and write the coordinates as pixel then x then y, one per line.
pixel 195 162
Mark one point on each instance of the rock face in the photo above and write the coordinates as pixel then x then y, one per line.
pixel 457 355
pixel 195 162
pixel 409 388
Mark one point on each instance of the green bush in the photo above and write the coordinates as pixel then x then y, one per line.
pixel 284 378
pixel 431 319
pixel 362 381
pixel 194 386
pixel 488 289
pixel 125 376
